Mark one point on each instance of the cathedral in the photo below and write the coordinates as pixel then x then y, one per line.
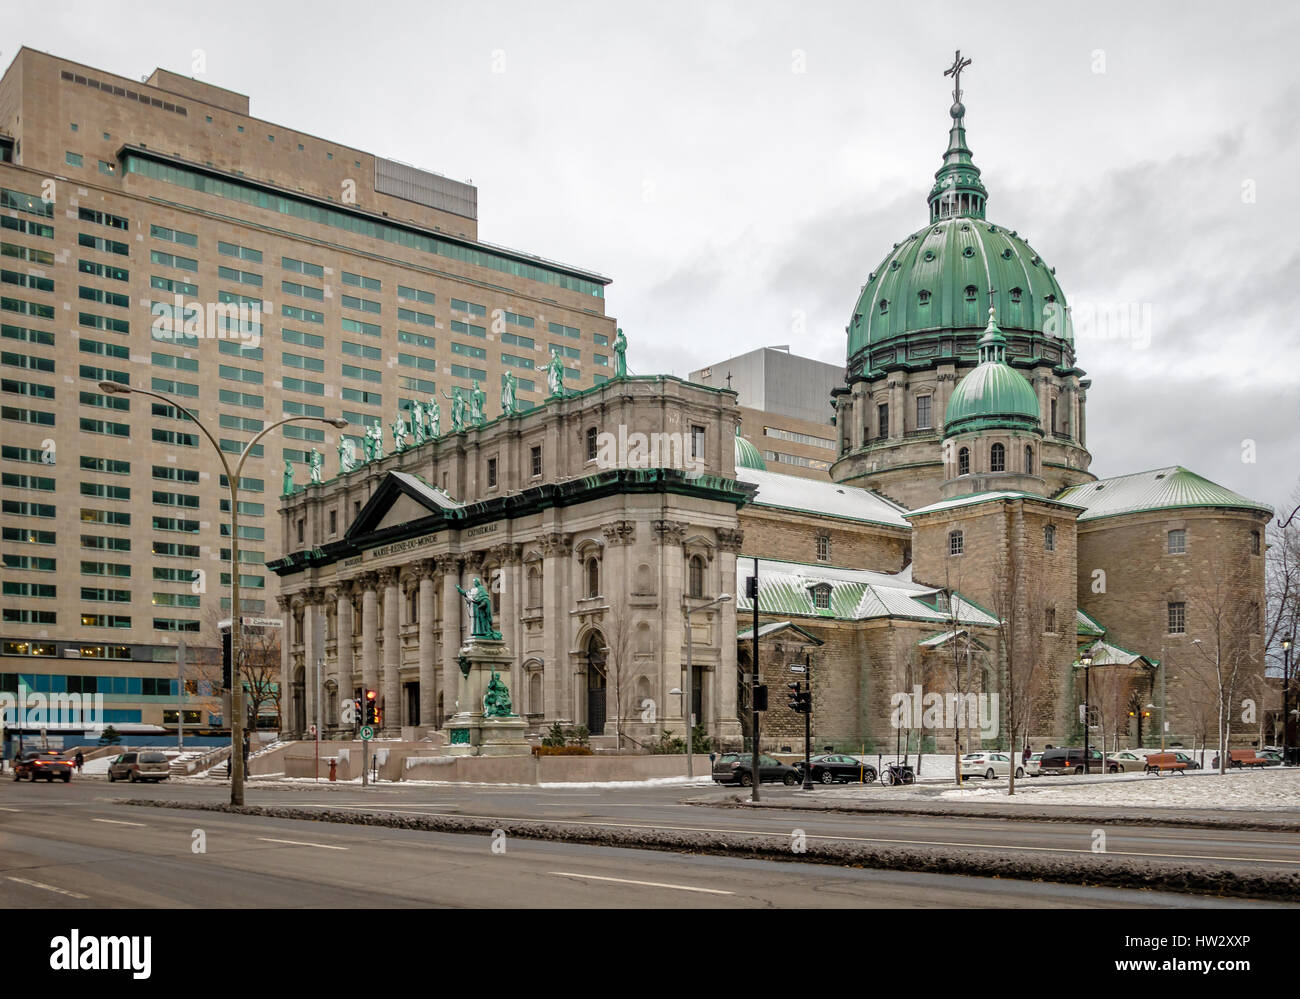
pixel 963 549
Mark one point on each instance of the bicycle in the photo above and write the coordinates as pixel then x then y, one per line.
pixel 897 773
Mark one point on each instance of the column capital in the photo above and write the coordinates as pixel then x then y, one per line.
pixel 619 532
pixel 730 539
pixel 282 601
pixel 365 580
pixel 390 575
pixel 314 595
pixel 425 568
pixel 507 553
pixel 448 565
pixel 556 543
pixel 670 532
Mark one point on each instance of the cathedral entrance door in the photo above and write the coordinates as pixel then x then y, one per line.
pixel 596 685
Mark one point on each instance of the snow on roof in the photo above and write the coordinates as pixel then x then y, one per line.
pixel 1157 489
pixel 785 588
pixel 983 498
pixel 832 499
pixel 432 493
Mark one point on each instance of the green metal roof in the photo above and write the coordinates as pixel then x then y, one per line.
pixel 748 456
pixel 943 276
pixel 1087 625
pixel 1169 488
pixel 994 394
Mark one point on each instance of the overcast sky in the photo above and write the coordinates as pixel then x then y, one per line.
pixel 739 168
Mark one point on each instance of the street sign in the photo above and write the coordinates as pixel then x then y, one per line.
pixel 798 668
pixel 367 733
pixel 311 729
pixel 263 622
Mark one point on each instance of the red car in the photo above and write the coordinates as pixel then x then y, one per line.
pixel 41 764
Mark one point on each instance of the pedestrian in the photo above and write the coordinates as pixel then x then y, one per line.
pixel 1028 752
pixel 79 760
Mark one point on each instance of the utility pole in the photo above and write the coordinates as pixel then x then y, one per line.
pixel 1286 700
pixel 753 697
pixel 180 695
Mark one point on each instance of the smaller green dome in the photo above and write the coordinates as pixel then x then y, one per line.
pixel 748 456
pixel 994 395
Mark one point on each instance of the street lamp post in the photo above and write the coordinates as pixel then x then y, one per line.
pixel 236 623
pixel 1085 661
pixel 1286 698
pixel 688 683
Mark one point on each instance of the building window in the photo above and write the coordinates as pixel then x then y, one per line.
pixel 963 461
pixel 1177 618
pixel 956 543
pixel 882 419
pixel 334 521
pixel 534 587
pixel 697 441
pixel 696 580
pixel 823 547
pixel 1049 620
pixel 884 306
pixel 1254 542
pixel 1049 537
pixel 821 595
pixel 593 577
pixel 1177 542
pixel 997 458
pixel 923 412
pixel 535 456
pixel 922 298
pixel 302 529
pixel 1029 460
pixel 492 473
pixel 592 443
pixel 1053 419
pixel 1016 293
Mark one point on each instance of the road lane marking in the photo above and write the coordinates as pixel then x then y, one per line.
pixel 119 822
pixel 646 884
pixel 10 809
pixel 830 838
pixel 295 842
pixel 39 884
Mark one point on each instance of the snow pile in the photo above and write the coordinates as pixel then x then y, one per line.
pixel 1274 789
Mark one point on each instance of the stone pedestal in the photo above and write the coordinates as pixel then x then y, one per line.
pixel 471 732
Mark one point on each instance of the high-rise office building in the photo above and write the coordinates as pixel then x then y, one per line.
pixel 158 235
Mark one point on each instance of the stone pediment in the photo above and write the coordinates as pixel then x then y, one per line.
pixel 403 504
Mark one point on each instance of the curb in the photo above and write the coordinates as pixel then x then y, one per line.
pixel 1093 870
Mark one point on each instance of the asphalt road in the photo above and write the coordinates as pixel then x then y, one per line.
pixel 67 846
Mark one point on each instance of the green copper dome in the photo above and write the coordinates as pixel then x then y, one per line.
pixel 947 275
pixel 994 395
pixel 748 456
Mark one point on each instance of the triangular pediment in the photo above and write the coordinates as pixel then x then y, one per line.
pixel 403 504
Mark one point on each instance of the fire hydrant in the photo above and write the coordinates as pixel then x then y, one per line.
pixel 334 769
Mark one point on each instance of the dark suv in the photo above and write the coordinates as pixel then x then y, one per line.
pixel 45 765
pixel 1069 760
pixel 737 768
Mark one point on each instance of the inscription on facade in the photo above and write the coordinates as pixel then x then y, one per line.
pixel 397 547
pixel 478 532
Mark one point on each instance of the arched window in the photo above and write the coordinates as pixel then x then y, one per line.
pixel 884 306
pixel 997 458
pixel 1049 537
pixel 696 581
pixel 535 692
pixel 593 445
pixel 922 298
pixel 971 293
pixel 1016 295
pixel 963 461
pixel 956 542
pixel 593 577
pixel 1029 460
pixel 534 587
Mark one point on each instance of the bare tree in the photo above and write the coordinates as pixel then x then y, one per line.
pixel 1227 618
pixel 259 669
pixel 1282 589
pixel 620 667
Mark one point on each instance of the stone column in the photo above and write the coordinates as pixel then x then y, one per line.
pixel 507 556
pixel 392 686
pixel 724 680
pixel 557 680
pixel 672 621
pixel 312 652
pixel 428 672
pixel 616 583
pixel 342 672
pixel 897 408
pixel 286 663
pixel 369 636
pixel 453 613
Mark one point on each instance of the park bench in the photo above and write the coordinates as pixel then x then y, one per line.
pixel 1242 758
pixel 1157 762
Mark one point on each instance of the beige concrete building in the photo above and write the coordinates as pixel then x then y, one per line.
pixel 159 235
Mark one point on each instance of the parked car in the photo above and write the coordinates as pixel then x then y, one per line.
pixel 47 766
pixel 1069 760
pixel 139 767
pixel 1274 757
pixel 1125 761
pixel 1031 765
pixel 831 767
pixel 1189 760
pixel 737 768
pixel 988 765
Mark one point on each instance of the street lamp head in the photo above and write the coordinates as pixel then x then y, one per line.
pixel 675 690
pixel 339 422
pixel 1196 641
pixel 113 388
pixel 1085 660
pixel 724 598
pixel 1286 643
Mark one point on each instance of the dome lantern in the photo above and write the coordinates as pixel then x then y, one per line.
pixel 958 191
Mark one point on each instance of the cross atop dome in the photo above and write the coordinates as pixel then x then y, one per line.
pixel 957 191
pixel 958 64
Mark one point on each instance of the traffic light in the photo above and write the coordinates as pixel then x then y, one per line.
pixel 799 700
pixel 372 710
pixel 225 660
pixel 760 697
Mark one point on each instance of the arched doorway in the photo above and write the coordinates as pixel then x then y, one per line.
pixel 596 684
